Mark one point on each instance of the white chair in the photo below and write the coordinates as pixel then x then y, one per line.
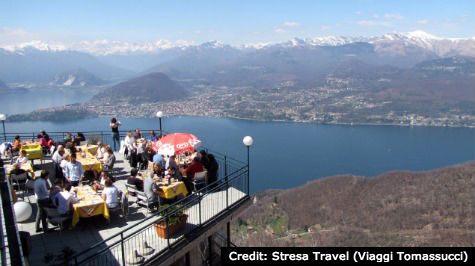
pixel 200 180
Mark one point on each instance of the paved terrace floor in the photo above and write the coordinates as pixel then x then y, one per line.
pixel 92 230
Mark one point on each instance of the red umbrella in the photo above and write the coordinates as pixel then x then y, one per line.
pixel 176 143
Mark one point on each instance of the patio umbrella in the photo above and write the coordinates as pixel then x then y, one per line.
pixel 176 143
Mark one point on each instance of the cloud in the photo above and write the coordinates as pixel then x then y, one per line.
pixel 393 16
pixel 279 30
pixel 373 23
pixel 422 21
pixel 13 33
pixel 291 24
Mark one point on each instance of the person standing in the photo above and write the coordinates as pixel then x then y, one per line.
pixel 114 124
pixel 74 171
pixel 42 200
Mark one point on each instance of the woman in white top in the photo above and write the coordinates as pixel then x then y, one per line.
pixel 22 158
pixel 130 141
pixel 100 150
pixel 58 155
pixel 110 194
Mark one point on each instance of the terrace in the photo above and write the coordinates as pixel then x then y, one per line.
pixel 96 242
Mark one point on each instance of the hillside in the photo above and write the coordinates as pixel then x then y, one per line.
pixel 152 87
pixel 433 208
pixel 76 78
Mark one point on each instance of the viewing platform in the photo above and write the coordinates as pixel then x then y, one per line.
pixel 133 240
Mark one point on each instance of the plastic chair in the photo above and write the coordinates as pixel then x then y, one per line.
pixel 200 180
pixel 55 218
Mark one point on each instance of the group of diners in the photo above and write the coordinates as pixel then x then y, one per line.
pixel 47 143
pixel 68 167
pixel 140 154
pixel 62 195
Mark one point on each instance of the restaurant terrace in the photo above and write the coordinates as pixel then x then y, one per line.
pixel 188 227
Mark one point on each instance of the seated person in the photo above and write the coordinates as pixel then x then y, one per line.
pixel 64 200
pixel 194 167
pixel 109 159
pixel 23 158
pixel 171 163
pixel 191 170
pixel 68 138
pixel 153 136
pixel 133 180
pixel 174 173
pixel 102 183
pixel 101 150
pixel 17 144
pixel 110 194
pixel 149 153
pixel 79 138
pixel 157 158
pixel 138 134
pixel 58 155
pixel 58 187
pixel 151 190
pixel 42 141
pixel 16 170
pixel 158 170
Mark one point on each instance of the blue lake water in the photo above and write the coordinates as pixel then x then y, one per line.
pixel 290 154
pixel 16 103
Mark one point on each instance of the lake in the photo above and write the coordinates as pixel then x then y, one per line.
pixel 45 98
pixel 288 154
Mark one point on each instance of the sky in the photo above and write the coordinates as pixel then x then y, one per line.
pixel 229 21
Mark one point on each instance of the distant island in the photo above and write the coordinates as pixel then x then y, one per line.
pixel 402 208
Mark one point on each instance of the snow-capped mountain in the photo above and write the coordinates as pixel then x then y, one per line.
pixel 387 43
pixel 76 78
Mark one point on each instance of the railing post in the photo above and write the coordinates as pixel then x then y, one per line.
pixel 122 247
pixel 199 210
pixel 168 236
pixel 226 179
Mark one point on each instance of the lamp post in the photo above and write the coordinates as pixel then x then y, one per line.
pixel 3 117
pixel 247 140
pixel 160 115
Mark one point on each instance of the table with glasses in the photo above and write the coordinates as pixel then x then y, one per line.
pixel 92 149
pixel 89 162
pixel 174 189
pixel 169 191
pixel 90 204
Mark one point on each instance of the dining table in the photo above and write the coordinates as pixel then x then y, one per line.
pixel 90 204
pixel 33 150
pixel 89 161
pixel 28 167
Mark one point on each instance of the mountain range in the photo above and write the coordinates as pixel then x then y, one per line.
pixel 214 61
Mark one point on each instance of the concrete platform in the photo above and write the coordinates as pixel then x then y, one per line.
pixel 93 230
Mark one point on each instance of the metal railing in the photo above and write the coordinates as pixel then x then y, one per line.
pixel 202 208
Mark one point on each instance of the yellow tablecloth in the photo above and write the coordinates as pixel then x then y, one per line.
pixel 89 162
pixel 28 167
pixel 173 190
pixel 90 204
pixel 92 149
pixel 33 150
